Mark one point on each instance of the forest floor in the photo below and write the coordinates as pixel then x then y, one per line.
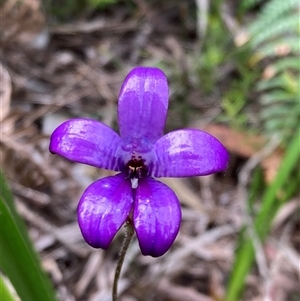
pixel 51 73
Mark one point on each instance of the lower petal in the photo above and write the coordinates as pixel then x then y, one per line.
pixel 156 217
pixel 103 208
pixel 188 153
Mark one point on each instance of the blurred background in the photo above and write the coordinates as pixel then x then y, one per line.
pixel 233 70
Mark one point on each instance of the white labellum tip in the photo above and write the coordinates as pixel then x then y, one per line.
pixel 134 183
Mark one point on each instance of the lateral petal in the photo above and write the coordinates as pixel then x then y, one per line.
pixel 143 104
pixel 187 153
pixel 103 208
pixel 156 217
pixel 87 141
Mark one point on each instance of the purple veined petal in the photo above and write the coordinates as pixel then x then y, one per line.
pixel 143 104
pixel 156 217
pixel 103 208
pixel 87 141
pixel 188 153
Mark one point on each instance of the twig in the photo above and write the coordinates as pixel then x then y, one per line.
pixel 176 292
pixel 45 226
pixel 177 259
pixel 93 26
pixel 35 197
pixel 90 270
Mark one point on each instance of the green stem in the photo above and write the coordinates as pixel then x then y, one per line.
pixel 129 231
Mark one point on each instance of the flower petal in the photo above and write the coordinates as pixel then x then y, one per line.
pixel 87 141
pixel 143 104
pixel 103 208
pixel 156 217
pixel 187 153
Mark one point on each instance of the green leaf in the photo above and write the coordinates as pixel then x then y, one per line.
pixel 5 291
pixel 247 4
pixel 276 111
pixel 277 96
pixel 286 63
pixel 18 259
pixel 277 82
pixel 290 45
pixel 7 197
pixel 5 192
pixel 279 126
pixel 285 25
pixel 272 11
pixel 288 164
pixel 101 3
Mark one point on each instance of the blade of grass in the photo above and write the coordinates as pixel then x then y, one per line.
pixel 5 292
pixel 5 192
pixel 272 199
pixel 257 185
pixel 7 196
pixel 18 259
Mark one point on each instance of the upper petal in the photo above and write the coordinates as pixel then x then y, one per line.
pixel 103 208
pixel 143 104
pixel 87 141
pixel 186 153
pixel 156 217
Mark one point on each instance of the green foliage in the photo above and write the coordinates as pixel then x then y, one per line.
pixel 69 10
pixel 273 196
pixel 244 6
pixel 217 53
pixel 5 292
pixel 233 102
pixel 275 49
pixel 214 50
pixel 273 11
pixel 247 4
pixel 266 32
pixel 61 11
pixel 18 260
pixel 101 3
pixel 274 38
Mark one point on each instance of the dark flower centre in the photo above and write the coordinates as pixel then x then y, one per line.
pixel 137 155
pixel 136 168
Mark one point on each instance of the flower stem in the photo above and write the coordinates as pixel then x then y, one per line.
pixel 129 231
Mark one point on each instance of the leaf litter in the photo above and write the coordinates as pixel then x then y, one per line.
pixel 50 73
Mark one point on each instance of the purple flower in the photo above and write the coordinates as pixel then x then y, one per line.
pixel 140 153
